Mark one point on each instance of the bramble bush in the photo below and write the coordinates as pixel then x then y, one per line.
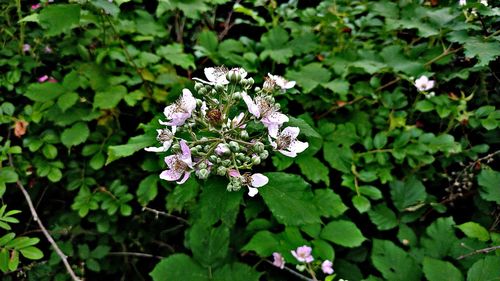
pixel 394 175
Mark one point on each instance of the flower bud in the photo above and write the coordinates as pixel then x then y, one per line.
pixel 176 147
pixel 264 154
pixel 221 171
pixel 258 147
pixel 222 149
pixel 226 163
pixel 236 95
pixel 247 159
pixel 199 102
pixel 240 156
pixel 250 82
pixel 219 87
pixel 234 146
pixel 233 76
pixel 206 148
pixel 244 135
pixel 202 174
pixel 212 158
pixel 203 91
pixel 199 147
pixel 202 165
pixel 256 160
pixel 194 150
pixel 198 86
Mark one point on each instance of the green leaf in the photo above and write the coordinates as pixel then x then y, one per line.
pixel 474 230
pixel 179 267
pixel 207 43
pixel 380 140
pixel 328 203
pixel 13 260
pixel 148 189
pixel 394 263
pixel 489 182
pixel 182 195
pixel 58 18
pixel 174 53
pixel 31 253
pixel 438 270
pixel 440 238
pixel 407 193
pixel 424 106
pixel 43 92
pixel 310 135
pixel 313 169
pixel 110 97
pixel 484 51
pixel 361 203
pixel 75 135
pixel 323 249
pixel 263 243
pixel 133 145
pixel 107 6
pixel 290 199
pixel 275 43
pixel 8 175
pixel 66 101
pixel 340 158
pixel 484 269
pixel 310 76
pixel 383 217
pixel 338 86
pixel 4 260
pixel 236 272
pixel 344 233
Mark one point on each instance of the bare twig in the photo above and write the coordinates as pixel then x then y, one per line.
pixel 134 254
pixel 227 23
pixel 480 251
pixel 293 272
pixel 47 235
pixel 158 213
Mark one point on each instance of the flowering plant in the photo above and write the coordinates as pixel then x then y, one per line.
pixel 227 130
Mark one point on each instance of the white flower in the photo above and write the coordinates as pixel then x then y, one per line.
pixel 236 122
pixel 286 142
pixel 462 2
pixel 484 2
pixel 178 112
pixel 253 182
pixel 217 75
pixel 165 137
pixel 276 80
pixel 179 164
pixel 424 84
pixel 268 113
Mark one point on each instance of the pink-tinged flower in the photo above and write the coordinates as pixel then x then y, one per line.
pixel 303 254
pixel 36 6
pixel 43 78
pixel 326 266
pixel 261 107
pixel 279 260
pixel 165 137
pixel 178 112
pixel 48 49
pixel 424 84
pixel 253 182
pixel 222 149
pixel 217 75
pixel 179 164
pixel 276 80
pixel 26 48
pixel 462 2
pixel 236 121
pixel 286 142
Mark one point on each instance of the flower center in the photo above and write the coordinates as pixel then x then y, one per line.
pixel 283 141
pixel 164 136
pixel 220 71
pixel 179 165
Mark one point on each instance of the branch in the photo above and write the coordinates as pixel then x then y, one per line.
pixel 134 254
pixel 480 251
pixel 47 235
pixel 157 213
pixel 293 272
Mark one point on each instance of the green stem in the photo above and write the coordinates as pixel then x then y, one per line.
pixel 21 28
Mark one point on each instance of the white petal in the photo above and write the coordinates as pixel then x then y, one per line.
pixel 210 74
pixel 278 118
pixel 252 191
pixel 188 102
pixel 291 131
pixel 155 149
pixel 272 130
pixel 288 153
pixel 202 81
pixel 259 180
pixel 289 84
pixel 169 110
pixel 298 146
pixel 185 178
pixel 252 107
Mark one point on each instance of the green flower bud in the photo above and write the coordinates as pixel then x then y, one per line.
pixel 250 81
pixel 198 86
pixel 202 165
pixel 233 76
pixel 194 150
pixel 198 102
pixel 203 91
pixel 256 160
pixel 176 147
pixel 264 154
pixel 236 95
pixel 219 87
pixel 226 163
pixel 244 135
pixel 240 156
pixel 206 148
pixel 199 147
pixel 202 174
pixel 234 146
pixel 221 171
pixel 258 147
pixel 247 159
pixel 212 158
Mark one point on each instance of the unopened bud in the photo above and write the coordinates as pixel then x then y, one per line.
pixel 250 82
pixel 264 154
pixel 219 87
pixel 226 163
pixel 256 160
pixel 236 95
pixel 222 149
pixel 176 147
pixel 202 165
pixel 206 148
pixel 244 135
pixel 203 91
pixel 234 146
pixel 233 75
pixel 258 147
pixel 212 158
pixel 240 156
pixel 198 86
pixel 202 174
pixel 221 171
pixel 199 102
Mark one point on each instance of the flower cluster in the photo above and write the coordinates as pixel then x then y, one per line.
pixel 229 127
pixel 303 254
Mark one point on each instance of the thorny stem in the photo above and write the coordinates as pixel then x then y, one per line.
pixel 134 254
pixel 158 213
pixel 22 24
pixel 293 272
pixel 47 235
pixel 479 251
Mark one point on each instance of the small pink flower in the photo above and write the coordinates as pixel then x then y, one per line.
pixel 276 80
pixel 303 254
pixel 222 149
pixel 48 49
pixel 181 110
pixel 253 182
pixel 26 48
pixel 424 84
pixel 286 142
pixel 326 266
pixel 36 6
pixel 43 78
pixel 165 137
pixel 279 260
pixel 268 112
pixel 178 164
pixel 236 122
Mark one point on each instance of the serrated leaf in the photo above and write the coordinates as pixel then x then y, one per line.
pixel 58 18
pixel 474 230
pixel 407 193
pixel 275 43
pixel 313 169
pixel 290 199
pixel 328 203
pixel 133 145
pixel 361 203
pixel 394 263
pixel 438 270
pixel 484 269
pixel 236 272
pixel 66 101
pixel 310 76
pixel 181 196
pixel 484 51
pixel 43 92
pixel 110 97
pixel 148 189
pixel 440 238
pixel 179 267
pixel 489 182
pixel 209 244
pixel 174 53
pixel 344 233
pixel 263 243
pixel 383 217
pixel 339 158
pixel 75 135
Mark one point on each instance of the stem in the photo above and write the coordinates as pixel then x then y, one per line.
pixel 21 28
pixel 47 235
pixel 293 272
pixel 157 213
pixel 134 254
pixel 311 271
pixel 479 251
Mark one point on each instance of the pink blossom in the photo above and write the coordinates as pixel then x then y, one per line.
pixel 279 260
pixel 179 164
pixel 43 78
pixel 48 49
pixel 253 182
pixel 303 254
pixel 326 266
pixel 178 112
pixel 424 84
pixel 268 112
pixel 236 121
pixel 165 137
pixel 286 142
pixel 276 80
pixel 222 149
pixel 26 48
pixel 36 6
